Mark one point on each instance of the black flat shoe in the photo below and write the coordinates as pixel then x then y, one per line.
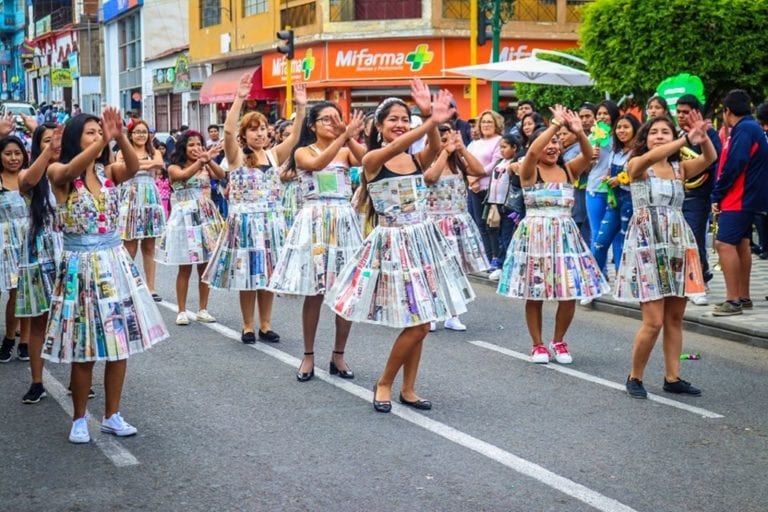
pixel 269 336
pixel 334 370
pixel 157 298
pixel 420 404
pixel 380 405
pixel 249 338
pixel 304 377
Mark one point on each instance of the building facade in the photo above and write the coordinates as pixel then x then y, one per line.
pixel 342 56
pixel 12 24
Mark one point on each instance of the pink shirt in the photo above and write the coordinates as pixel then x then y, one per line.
pixel 488 152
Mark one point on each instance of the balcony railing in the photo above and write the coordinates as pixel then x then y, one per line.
pixel 368 10
pixel 299 15
pixel 62 17
pixel 519 10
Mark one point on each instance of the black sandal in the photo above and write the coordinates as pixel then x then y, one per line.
pixel 304 377
pixel 334 370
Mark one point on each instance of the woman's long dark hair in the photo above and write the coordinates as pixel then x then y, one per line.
pixel 12 139
pixel 613 111
pixel 455 163
pixel 179 155
pixel 538 124
pixel 70 140
pixel 307 136
pixel 641 139
pixel 41 210
pixel 149 148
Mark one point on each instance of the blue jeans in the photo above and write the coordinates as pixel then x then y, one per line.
pixel 696 213
pixel 613 227
pixel 597 202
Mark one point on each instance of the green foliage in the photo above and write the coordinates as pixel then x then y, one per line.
pixel 633 45
pixel 548 95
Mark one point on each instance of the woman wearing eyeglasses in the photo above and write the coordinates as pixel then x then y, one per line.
pixel 142 217
pixel 247 250
pixel 325 233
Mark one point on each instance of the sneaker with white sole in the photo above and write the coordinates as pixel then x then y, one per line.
pixel 182 318
pixel 455 324
pixel 540 354
pixel 204 316
pixel 700 300
pixel 432 326
pixel 560 351
pixel 495 275
pixel 116 425
pixel 586 302
pixel 79 433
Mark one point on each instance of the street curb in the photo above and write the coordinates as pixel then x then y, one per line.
pixel 744 335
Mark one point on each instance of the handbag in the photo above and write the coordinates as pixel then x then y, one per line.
pixel 514 199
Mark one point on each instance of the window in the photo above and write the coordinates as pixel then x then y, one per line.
pixel 210 13
pixel 129 43
pixel 251 7
pixel 352 10
pixel 298 15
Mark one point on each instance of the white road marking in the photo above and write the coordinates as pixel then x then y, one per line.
pixel 597 380
pixel 518 464
pixel 108 444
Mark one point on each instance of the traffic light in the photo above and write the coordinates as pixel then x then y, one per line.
pixel 484 24
pixel 287 48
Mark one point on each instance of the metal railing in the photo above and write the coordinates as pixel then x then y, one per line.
pixel 519 10
pixel 299 15
pixel 369 10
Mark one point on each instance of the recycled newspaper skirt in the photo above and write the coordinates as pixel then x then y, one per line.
pixel 38 263
pixel 402 276
pixel 548 259
pixel 101 309
pixel 464 236
pixel 141 211
pixel 660 257
pixel 14 222
pixel 291 198
pixel 246 254
pixel 192 229
pixel 324 237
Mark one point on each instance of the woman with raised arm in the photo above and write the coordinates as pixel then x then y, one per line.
pixel 325 234
pixel 447 205
pixel 660 266
pixel 405 275
pixel 40 252
pixel 142 217
pixel 101 309
pixel 547 258
pixel 247 251
pixel 193 228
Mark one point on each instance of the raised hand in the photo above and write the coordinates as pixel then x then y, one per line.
pixel 573 121
pixel 458 141
pixel 421 95
pixel 30 122
pixel 355 125
pixel 111 123
pixel 7 124
pixel 300 94
pixel 698 128
pixel 441 106
pixel 244 87
pixel 559 113
pixel 214 151
pixel 55 143
pixel 450 145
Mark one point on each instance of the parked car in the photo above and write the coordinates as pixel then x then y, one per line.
pixel 17 108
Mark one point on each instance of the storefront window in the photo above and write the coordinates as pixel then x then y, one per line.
pixel 210 13
pixel 251 7
pixel 354 10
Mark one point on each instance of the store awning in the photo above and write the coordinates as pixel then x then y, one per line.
pixel 221 87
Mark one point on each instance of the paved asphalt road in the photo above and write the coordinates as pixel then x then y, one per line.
pixel 225 427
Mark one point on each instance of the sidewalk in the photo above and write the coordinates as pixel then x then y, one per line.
pixel 750 327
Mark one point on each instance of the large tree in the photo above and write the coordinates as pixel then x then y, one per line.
pixel 632 45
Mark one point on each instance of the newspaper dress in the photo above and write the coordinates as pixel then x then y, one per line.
pixel 101 310
pixel 291 201
pixel 660 257
pixel 14 221
pixel 547 258
pixel 141 209
pixel 38 262
pixel 193 227
pixel 405 274
pixel 447 206
pixel 325 234
pixel 254 233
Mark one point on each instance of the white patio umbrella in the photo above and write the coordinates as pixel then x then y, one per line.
pixel 530 70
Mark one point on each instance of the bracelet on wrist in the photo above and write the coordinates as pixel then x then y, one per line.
pixel 556 122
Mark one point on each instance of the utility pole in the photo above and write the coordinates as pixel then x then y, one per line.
pixel 473 18
pixel 495 51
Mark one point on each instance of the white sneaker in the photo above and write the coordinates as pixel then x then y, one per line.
pixel 540 354
pixel 560 350
pixel 182 318
pixel 586 302
pixel 495 275
pixel 116 425
pixel 455 324
pixel 700 300
pixel 432 326
pixel 204 316
pixel 79 433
